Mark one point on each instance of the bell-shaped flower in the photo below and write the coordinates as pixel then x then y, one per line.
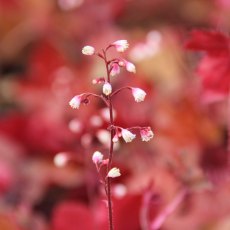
pixel 75 102
pixel 88 50
pixel 138 94
pixel 146 134
pixel 114 172
pixel 121 45
pixel 127 135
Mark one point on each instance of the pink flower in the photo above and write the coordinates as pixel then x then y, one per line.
pixel 121 45
pixel 127 135
pixel 75 102
pixel 146 134
pixel 88 50
pixel 97 157
pixel 114 172
pixel 115 69
pixel 138 94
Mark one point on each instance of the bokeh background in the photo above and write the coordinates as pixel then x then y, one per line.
pixel 179 180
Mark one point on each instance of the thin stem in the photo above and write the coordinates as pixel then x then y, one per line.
pixel 96 95
pixel 108 179
pixel 117 91
pixel 228 129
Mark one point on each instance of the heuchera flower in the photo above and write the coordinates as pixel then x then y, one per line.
pixel 121 45
pixel 138 94
pixel 214 67
pixel 114 172
pixel 130 67
pixel 115 69
pixel 97 157
pixel 75 102
pixel 146 134
pixel 107 88
pixel 88 50
pixel 127 135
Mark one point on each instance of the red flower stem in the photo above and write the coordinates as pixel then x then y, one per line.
pixel 108 179
pixel 117 91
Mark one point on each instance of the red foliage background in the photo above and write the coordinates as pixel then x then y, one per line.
pixel 179 180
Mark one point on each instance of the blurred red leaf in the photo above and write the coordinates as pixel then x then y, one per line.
pixel 71 216
pixel 214 67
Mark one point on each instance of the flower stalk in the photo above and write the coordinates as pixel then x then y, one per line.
pixel 112 69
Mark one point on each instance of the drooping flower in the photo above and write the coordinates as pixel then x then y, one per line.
pixel 138 94
pixel 115 69
pixel 114 172
pixel 146 134
pixel 107 88
pixel 88 50
pixel 97 157
pixel 127 135
pixel 75 102
pixel 121 45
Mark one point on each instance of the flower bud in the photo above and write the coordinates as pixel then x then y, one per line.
pixel 130 67
pixel 121 45
pixel 88 50
pixel 114 172
pixel 107 88
pixel 127 135
pixel 97 157
pixel 138 94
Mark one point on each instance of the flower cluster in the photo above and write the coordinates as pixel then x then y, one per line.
pixel 113 68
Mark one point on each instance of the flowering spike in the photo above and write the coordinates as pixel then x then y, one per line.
pixel 127 135
pixel 107 88
pixel 75 102
pixel 97 157
pixel 88 50
pixel 138 94
pixel 114 172
pixel 146 134
pixel 121 45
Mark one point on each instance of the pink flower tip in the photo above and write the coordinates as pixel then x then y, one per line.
pixel 114 172
pixel 88 50
pixel 121 45
pixel 115 69
pixel 75 102
pixel 138 94
pixel 97 157
pixel 146 134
